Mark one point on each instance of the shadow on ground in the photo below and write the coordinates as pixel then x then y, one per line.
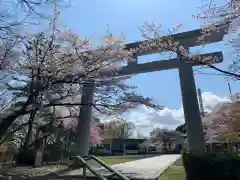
pixel 44 177
pixel 45 172
pixel 57 175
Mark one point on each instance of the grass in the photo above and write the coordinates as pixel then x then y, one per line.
pixel 173 173
pixel 179 162
pixel 116 160
pixel 111 160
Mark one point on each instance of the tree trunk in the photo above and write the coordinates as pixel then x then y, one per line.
pixel 29 133
pixel 169 146
pixel 70 136
pixel 7 122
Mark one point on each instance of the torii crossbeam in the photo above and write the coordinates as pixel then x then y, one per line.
pixel 193 120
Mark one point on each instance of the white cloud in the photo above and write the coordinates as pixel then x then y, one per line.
pixel 146 118
pixel 210 100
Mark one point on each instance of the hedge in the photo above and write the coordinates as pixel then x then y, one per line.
pixel 97 151
pixel 212 166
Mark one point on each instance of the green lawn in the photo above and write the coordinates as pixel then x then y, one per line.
pixel 110 160
pixel 173 173
pixel 116 159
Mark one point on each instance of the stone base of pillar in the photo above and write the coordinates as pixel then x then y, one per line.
pixel 38 159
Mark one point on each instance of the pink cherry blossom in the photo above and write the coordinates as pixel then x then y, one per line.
pixel 95 131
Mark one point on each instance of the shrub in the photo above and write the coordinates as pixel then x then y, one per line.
pixel 141 149
pixel 210 166
pixel 99 151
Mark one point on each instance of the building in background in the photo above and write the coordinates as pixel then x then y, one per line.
pixel 122 146
pixel 236 97
pixel 164 140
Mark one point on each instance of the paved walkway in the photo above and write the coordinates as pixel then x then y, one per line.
pixel 148 169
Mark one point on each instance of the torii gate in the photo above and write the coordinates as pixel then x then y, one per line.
pixel 193 120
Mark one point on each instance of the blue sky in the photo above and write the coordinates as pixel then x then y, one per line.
pixel 93 17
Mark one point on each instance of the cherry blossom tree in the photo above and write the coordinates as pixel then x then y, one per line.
pixel 53 67
pixel 163 138
pixel 224 15
pixel 220 12
pixel 225 124
pixel 96 131
pixel 15 16
pixel 153 33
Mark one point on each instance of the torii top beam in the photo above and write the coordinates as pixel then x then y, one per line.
pixel 187 39
pixel 160 65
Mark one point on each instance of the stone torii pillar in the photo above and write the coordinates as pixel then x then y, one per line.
pixel 85 119
pixel 196 138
